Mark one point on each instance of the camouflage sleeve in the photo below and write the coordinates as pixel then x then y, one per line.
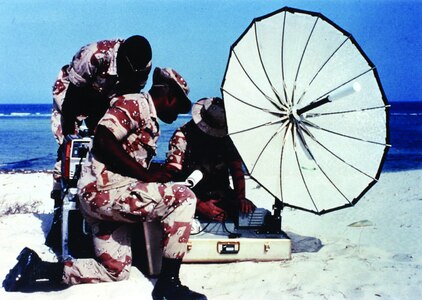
pixel 126 114
pixel 59 92
pixel 83 66
pixel 177 149
pixel 56 124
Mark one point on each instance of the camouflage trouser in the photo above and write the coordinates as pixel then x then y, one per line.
pixel 109 213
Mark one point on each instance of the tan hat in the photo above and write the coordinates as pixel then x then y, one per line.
pixel 209 115
pixel 171 78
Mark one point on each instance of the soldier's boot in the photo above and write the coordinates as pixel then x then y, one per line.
pixel 169 287
pixel 29 269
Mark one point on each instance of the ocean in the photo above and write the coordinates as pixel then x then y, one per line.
pixel 27 143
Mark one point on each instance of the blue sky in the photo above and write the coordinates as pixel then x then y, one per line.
pixel 193 37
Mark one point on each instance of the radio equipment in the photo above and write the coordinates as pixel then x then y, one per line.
pixel 75 151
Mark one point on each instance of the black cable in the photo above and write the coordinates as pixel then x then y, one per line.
pixel 231 234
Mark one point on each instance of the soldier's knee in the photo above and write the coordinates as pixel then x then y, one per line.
pixel 184 194
pixel 191 197
pixel 187 207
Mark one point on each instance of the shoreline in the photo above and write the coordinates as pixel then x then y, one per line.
pixel 26 171
pixel 50 171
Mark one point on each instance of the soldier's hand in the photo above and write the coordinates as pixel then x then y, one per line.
pixel 211 211
pixel 246 206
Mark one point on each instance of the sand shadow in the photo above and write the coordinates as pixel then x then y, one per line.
pixel 302 243
pixel 46 220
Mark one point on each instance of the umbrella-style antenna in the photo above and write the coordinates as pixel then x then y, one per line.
pixel 306 111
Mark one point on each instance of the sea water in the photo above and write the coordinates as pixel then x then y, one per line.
pixel 27 144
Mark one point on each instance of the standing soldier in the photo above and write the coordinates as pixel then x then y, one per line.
pixel 83 91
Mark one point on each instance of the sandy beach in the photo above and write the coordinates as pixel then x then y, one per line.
pixel 370 251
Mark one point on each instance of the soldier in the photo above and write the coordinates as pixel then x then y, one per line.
pixel 118 186
pixel 83 90
pixel 203 144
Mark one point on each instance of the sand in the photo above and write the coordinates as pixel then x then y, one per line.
pixel 370 251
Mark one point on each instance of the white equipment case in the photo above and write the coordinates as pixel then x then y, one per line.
pixel 216 245
pixel 219 243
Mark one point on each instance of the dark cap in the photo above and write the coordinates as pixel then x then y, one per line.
pixel 138 51
pixel 134 57
pixel 171 78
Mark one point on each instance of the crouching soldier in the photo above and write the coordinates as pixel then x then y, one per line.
pixel 118 186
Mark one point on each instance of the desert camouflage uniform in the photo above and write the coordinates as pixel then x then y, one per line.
pixel 111 201
pixel 191 149
pixel 93 65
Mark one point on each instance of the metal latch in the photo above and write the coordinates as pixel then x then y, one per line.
pixel 189 246
pixel 228 247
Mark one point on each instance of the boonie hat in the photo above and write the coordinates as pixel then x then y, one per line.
pixel 209 115
pixel 169 77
